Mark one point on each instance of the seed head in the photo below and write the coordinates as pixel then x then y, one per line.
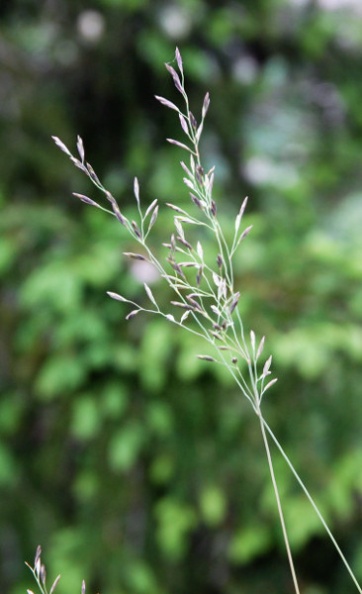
pixel 200 174
pixel 205 105
pixel 136 229
pixel 206 358
pixel 85 199
pixel 196 201
pixel 176 78
pixel 234 302
pixel 193 121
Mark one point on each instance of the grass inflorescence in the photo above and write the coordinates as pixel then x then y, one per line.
pixel 204 292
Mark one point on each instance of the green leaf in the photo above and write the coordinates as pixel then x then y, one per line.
pixel 157 344
pixel 212 505
pixel 125 446
pixel 141 578
pixel 160 419
pixel 175 520
pixel 114 400
pixel 249 542
pixel 60 375
pixel 86 420
pixel 162 469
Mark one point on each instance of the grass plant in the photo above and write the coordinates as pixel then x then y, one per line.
pixel 39 572
pixel 204 291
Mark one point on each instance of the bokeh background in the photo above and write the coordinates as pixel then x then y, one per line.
pixel 135 465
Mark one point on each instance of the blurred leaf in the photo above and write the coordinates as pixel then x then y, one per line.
pixel 162 469
pixel 114 399
pixel 212 505
pixel 125 446
pixel 302 521
pixel 53 284
pixel 59 375
pixel 249 542
pixel 174 521
pixel 157 344
pixel 141 578
pixel 86 421
pixel 160 418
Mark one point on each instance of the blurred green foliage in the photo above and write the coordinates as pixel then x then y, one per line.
pixel 135 465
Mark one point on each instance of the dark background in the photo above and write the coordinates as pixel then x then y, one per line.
pixel 135 465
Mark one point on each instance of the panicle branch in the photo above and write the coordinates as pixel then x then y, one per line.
pixel 211 299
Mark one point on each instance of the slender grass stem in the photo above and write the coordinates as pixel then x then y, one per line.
pixel 313 504
pixel 278 502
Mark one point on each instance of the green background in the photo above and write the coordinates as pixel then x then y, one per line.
pixel 135 465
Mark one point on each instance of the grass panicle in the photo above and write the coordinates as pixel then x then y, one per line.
pixel 205 301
